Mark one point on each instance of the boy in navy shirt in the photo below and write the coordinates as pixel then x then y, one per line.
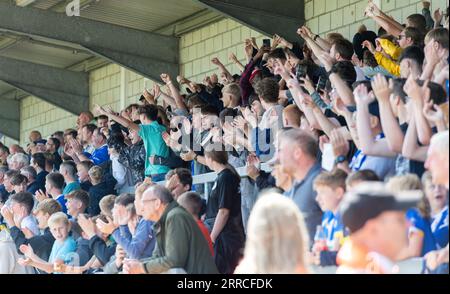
pixel 330 188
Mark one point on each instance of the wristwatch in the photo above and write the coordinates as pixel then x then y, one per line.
pixel 340 159
pixel 315 37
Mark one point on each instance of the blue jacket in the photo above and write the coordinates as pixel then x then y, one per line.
pixel 140 245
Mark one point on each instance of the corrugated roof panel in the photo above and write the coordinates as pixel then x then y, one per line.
pixel 147 15
pixel 42 54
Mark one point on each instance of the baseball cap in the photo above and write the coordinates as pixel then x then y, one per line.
pixel 370 200
pixel 40 142
pixel 359 38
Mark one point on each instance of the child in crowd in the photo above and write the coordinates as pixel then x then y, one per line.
pixel 330 188
pixel 63 248
pixel 192 202
pixel 83 174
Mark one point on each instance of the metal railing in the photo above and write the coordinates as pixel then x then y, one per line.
pixel 207 178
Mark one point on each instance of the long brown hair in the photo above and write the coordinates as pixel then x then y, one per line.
pixel 221 157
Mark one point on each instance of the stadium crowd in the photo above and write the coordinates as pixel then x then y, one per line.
pixel 354 133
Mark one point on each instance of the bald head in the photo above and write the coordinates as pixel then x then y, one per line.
pixel 154 202
pixel 438 159
pixel 159 192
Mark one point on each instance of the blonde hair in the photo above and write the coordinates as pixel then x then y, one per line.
pixel 48 206
pixel 276 237
pixel 96 173
pixel 106 205
pixel 57 219
pixel 408 182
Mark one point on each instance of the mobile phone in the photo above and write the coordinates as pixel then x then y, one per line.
pixel 266 43
pixel 321 85
pixel 301 71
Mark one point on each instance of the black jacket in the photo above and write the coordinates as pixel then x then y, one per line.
pixel 96 193
pixel 42 244
pixel 265 181
pixel 134 157
pixel 101 250
pixel 40 180
pixel 84 250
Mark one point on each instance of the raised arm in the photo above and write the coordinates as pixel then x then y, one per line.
pixel 221 67
pixel 236 61
pixel 326 125
pixel 383 20
pixel 369 146
pixel 119 119
pixel 411 149
pixel 341 109
pixel 418 96
pixel 324 44
pixel 175 92
pixel 434 113
pixel 338 83
pixel 315 48
pixel 390 125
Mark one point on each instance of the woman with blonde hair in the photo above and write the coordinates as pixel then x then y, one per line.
pixel 277 239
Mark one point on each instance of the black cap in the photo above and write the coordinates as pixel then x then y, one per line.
pixel 372 199
pixel 41 141
pixel 359 38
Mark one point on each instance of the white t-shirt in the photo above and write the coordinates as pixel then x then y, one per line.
pixel 30 223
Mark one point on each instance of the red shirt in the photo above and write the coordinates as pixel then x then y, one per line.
pixel 206 234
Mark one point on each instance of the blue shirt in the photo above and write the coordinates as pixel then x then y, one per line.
pixel 70 187
pixel 3 194
pixel 334 229
pixel 140 245
pixel 422 225
pixel 303 194
pixel 439 227
pixel 100 155
pixel 62 201
pixel 63 250
pixel 154 144
pixel 382 166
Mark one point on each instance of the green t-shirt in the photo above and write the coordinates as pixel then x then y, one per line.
pixel 71 187
pixel 154 144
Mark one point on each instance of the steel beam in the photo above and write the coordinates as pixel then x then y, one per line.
pixel 282 17
pixel 10 118
pixel 146 53
pixel 63 88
